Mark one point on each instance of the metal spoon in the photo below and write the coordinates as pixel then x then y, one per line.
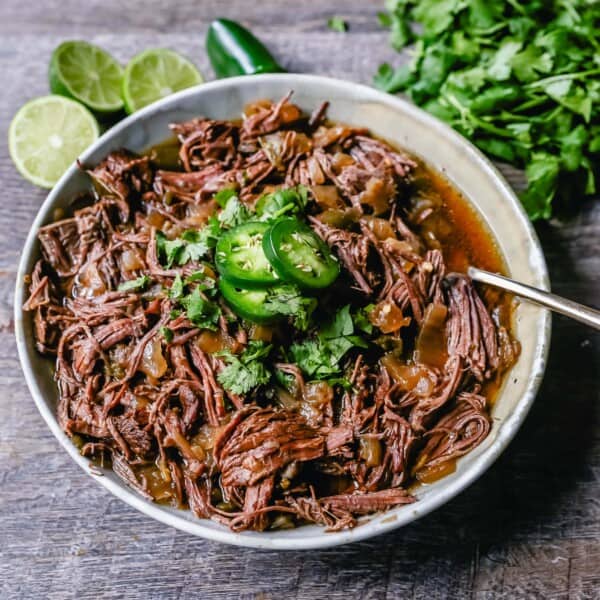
pixel 579 312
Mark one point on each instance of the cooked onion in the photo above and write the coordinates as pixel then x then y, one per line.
pixel 370 450
pixel 327 196
pixel 382 228
pixel 415 378
pixel 388 317
pixel 377 195
pixel 430 347
pixel 131 261
pixel 153 362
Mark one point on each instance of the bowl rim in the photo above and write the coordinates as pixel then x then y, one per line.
pixel 271 540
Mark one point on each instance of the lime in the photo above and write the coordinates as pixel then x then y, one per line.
pixel 47 135
pixel 86 73
pixel 154 74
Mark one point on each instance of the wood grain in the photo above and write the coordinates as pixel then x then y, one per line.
pixel 528 529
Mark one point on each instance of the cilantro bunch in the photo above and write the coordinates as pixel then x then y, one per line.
pixel 521 79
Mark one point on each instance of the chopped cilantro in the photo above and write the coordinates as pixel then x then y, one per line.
pixel 361 319
pixel 320 358
pixel 289 201
pixel 135 284
pixel 203 313
pixel 245 372
pixel 288 300
pixel 176 290
pixel 167 334
pixel 204 282
pixel 190 247
pixel 167 249
pixel 234 212
pixel 223 196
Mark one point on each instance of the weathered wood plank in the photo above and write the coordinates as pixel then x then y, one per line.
pixel 528 528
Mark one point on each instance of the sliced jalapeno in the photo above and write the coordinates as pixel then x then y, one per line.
pixel 240 258
pixel 248 304
pixel 299 256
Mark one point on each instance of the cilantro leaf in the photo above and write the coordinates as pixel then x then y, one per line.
pixel 192 246
pixel 392 80
pixel 234 213
pixel 205 283
pixel 167 249
pixel 245 372
pixel 337 24
pixel 289 201
pixel 223 196
pixel 361 319
pixel 203 313
pixel 135 284
pixel 176 290
pixel 288 300
pixel 518 78
pixel 167 334
pixel 542 173
pixel 341 325
pixel 320 358
pixel 315 359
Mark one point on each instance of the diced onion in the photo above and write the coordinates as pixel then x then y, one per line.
pixel 153 362
pixel 415 378
pixel 212 341
pixel 326 196
pixel 382 228
pixel 377 195
pixel 370 451
pixel 388 317
pixel 261 333
pixel 131 261
pixel 430 347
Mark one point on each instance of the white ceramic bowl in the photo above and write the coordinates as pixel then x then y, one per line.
pixel 390 118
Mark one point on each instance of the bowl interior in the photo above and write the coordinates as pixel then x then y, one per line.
pixel 391 119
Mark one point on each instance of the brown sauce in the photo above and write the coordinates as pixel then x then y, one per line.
pixel 465 240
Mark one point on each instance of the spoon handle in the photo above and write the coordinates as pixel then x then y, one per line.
pixel 579 312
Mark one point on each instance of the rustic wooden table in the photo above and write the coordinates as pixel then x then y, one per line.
pixel 529 528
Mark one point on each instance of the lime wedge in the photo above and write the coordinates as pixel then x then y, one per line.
pixel 154 74
pixel 47 135
pixel 86 73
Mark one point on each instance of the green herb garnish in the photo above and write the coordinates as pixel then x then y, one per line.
pixel 167 334
pixel 290 201
pixel 520 79
pixel 203 313
pixel 234 212
pixel 245 372
pixel 135 284
pixel 320 358
pixel 176 290
pixel 337 24
pixel 288 300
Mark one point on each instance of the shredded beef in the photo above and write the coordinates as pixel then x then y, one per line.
pixel 140 389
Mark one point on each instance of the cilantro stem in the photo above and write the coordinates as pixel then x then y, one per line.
pixel 468 115
pixel 562 77
pixel 517 6
pixel 533 103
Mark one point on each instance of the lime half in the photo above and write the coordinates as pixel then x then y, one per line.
pixel 155 74
pixel 47 135
pixel 86 73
